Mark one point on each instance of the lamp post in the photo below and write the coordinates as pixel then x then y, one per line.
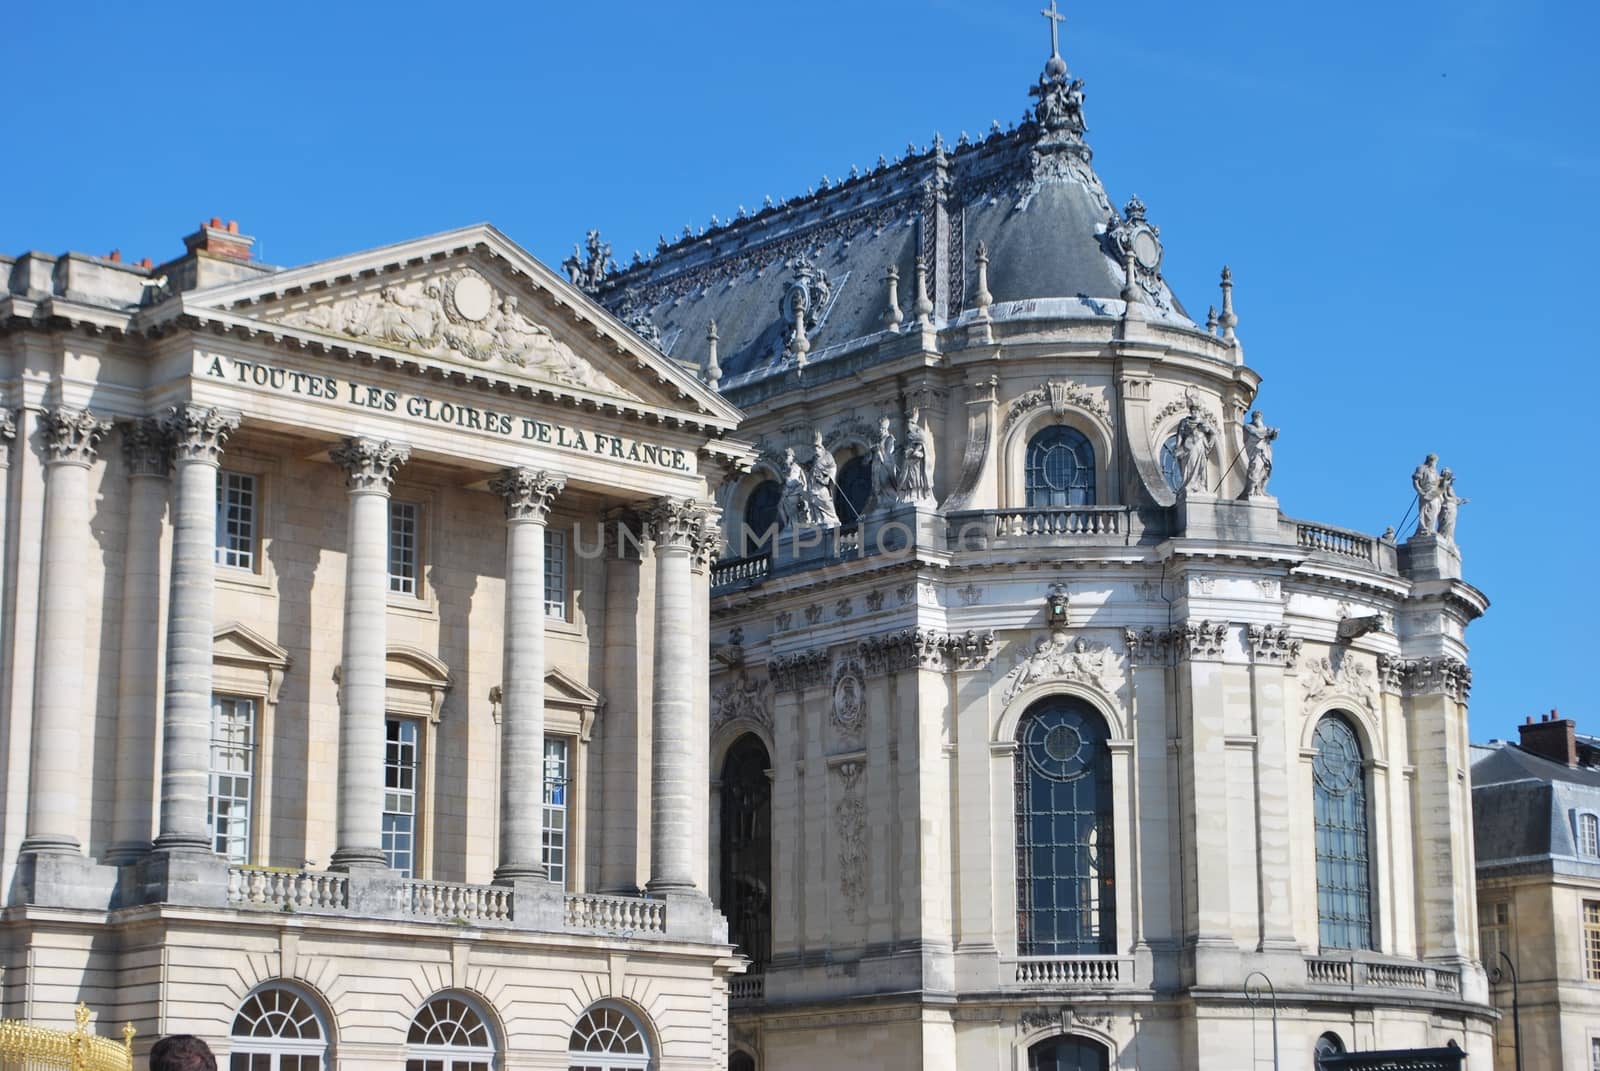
pixel 1497 975
pixel 1253 995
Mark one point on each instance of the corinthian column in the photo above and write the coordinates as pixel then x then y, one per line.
pixel 70 436
pixel 370 465
pixel 145 454
pixel 528 494
pixel 677 756
pixel 197 434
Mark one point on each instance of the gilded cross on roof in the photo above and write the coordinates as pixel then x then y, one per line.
pixel 1056 19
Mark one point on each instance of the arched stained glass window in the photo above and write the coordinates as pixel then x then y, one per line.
pixel 449 1034
pixel 1059 469
pixel 1344 889
pixel 1171 471
pixel 746 834
pixel 607 1039
pixel 1068 1054
pixel 277 1029
pixel 1066 898
pixel 761 518
pixel 853 489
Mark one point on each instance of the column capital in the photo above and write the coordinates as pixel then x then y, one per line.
pixel 71 435
pixel 197 432
pixel 8 434
pixel 528 493
pixel 146 447
pixel 370 464
pixel 706 544
pixel 675 523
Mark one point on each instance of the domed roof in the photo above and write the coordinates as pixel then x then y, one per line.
pixel 1026 198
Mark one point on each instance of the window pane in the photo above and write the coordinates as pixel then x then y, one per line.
pixel 236 520
pixel 555 574
pixel 403 547
pixel 1059 469
pixel 555 807
pixel 400 771
pixel 232 770
pixel 1344 893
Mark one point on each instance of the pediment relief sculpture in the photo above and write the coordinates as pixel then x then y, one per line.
pixel 1058 658
pixel 456 316
pixel 1341 674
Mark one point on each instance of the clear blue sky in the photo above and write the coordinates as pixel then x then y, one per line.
pixel 1405 191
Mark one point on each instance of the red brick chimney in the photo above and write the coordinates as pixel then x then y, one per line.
pixel 220 240
pixel 1551 737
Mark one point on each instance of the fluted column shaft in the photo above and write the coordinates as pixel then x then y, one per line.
pixel 70 436
pixel 677 759
pixel 370 465
pixel 197 434
pixel 528 494
pixel 145 453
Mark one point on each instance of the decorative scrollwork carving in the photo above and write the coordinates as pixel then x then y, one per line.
pixel 1058 394
pixel 1272 645
pixel 1057 658
pixel 1202 640
pixel 71 435
pixel 1351 677
pixel 742 698
pixel 528 493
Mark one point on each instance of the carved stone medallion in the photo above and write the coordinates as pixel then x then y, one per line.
pixel 849 694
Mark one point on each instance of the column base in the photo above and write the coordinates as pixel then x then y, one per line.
pixel 127 853
pixel 511 873
pixel 358 859
pixel 183 876
pixel 50 844
pixel 182 844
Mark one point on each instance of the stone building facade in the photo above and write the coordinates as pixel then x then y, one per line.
pixel 1040 736
pixel 354 675
pixel 1536 818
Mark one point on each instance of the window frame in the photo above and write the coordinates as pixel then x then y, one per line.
pixel 419 727
pixel 1368 862
pixel 219 549
pixel 452 1057
pixel 419 547
pixel 557 534
pixel 1586 833
pixel 599 1060
pixel 1067 433
pixel 1589 923
pixel 276 1047
pixel 251 776
pixel 565 809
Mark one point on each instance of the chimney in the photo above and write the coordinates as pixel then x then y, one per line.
pixel 1551 737
pixel 220 240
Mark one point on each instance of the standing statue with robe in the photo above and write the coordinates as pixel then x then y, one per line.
pixel 915 479
pixel 1258 439
pixel 1197 437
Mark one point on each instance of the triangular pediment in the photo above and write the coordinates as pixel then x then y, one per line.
pixel 563 690
pixel 465 302
pixel 236 643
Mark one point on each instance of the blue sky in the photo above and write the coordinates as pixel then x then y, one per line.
pixel 1405 193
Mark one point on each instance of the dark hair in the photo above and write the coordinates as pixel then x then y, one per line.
pixel 181 1052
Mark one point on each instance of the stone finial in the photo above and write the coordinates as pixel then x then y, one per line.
pixel 983 297
pixel 146 450
pixel 801 345
pixel 1228 320
pixel 1211 319
pixel 528 493
pixel 891 315
pixel 713 369
pixel 197 432
pixel 370 464
pixel 924 306
pixel 70 435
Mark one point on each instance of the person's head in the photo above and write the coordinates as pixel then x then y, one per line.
pixel 181 1052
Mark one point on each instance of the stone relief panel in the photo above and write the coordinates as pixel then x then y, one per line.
pixel 742 699
pixel 1057 658
pixel 849 695
pixel 1058 395
pixel 850 823
pixel 1341 674
pixel 1272 645
pixel 458 315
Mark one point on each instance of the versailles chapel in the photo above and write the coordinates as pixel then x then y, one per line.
pixel 860 635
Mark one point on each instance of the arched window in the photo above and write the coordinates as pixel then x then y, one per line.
pixel 449 1034
pixel 1066 903
pixel 1588 835
pixel 1068 1054
pixel 853 489
pixel 747 848
pixel 1328 1046
pixel 607 1039
pixel 1060 468
pixel 1171 471
pixel 1344 890
pixel 277 1029
pixel 760 518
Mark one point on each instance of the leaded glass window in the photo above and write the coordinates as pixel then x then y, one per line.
pixel 402 770
pixel 237 500
pixel 556 752
pixel 277 1029
pixel 607 1039
pixel 449 1034
pixel 746 835
pixel 1171 471
pixel 1068 1054
pixel 233 762
pixel 1344 883
pixel 1059 469
pixel 1066 903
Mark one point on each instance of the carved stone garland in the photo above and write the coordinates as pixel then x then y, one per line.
pixel 850 815
pixel 1058 394
pixel 849 695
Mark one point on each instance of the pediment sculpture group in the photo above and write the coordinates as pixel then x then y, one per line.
pixel 902 475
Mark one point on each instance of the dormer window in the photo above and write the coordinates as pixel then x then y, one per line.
pixel 1589 835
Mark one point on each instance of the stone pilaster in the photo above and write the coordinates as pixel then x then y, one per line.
pixel 624 773
pixel 69 437
pixel 370 465
pixel 1273 652
pixel 145 452
pixel 528 495
pixel 197 434
pixel 678 772
pixel 1203 803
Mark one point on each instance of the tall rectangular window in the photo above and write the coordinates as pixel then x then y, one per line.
pixel 1594 1054
pixel 1494 932
pixel 236 519
pixel 233 746
pixel 1591 940
pixel 404 547
pixel 555 574
pixel 402 768
pixel 1589 835
pixel 556 754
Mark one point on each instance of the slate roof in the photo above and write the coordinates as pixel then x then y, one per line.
pixel 1523 805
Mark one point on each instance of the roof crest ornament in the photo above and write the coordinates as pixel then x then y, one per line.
pixel 589 272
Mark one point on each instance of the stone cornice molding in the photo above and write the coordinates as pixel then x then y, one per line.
pixel 1273 645
pixel 675 523
pixel 71 435
pixel 1150 646
pixel 370 464
pixel 529 494
pixel 197 432
pixel 146 450
pixel 1201 641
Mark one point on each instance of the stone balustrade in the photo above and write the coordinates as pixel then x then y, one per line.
pixel 449 901
pixel 1340 542
pixel 1054 526
pixel 1356 973
pixel 626 915
pixel 1091 972
pixel 287 890
pixel 747 988
pixel 735 572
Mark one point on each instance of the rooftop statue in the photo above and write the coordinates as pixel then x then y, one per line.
pixel 588 272
pixel 1448 502
pixel 1425 480
pixel 1197 437
pixel 914 482
pixel 1258 439
pixel 794 501
pixel 822 475
pixel 884 474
